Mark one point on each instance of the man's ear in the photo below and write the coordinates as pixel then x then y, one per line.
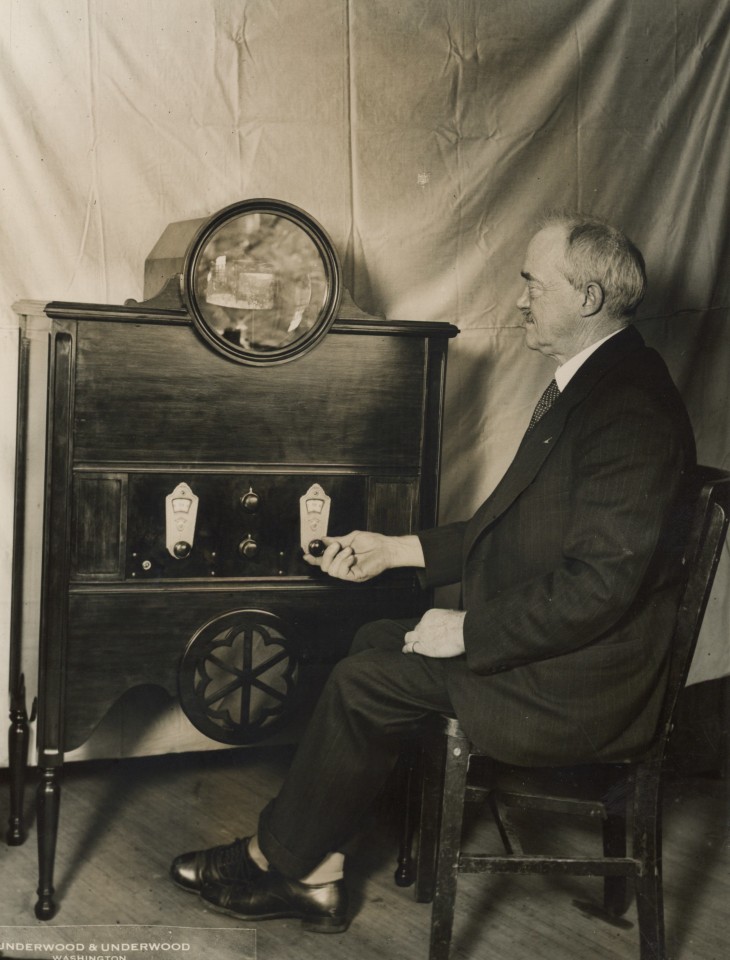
pixel 592 299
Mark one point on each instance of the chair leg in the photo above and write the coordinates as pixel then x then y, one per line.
pixel 456 763
pixel 650 907
pixel 725 730
pixel 431 782
pixel 616 896
pixel 648 850
pixel 407 782
pixel 508 835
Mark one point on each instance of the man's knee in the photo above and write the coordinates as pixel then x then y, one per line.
pixel 380 692
pixel 343 695
pixel 358 681
pixel 359 692
pixel 366 637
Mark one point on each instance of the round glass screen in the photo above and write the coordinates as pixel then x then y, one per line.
pixel 262 281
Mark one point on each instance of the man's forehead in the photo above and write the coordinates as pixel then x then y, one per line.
pixel 546 248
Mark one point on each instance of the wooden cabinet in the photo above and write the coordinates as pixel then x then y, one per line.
pixel 230 619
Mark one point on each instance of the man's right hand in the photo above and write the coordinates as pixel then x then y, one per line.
pixel 360 555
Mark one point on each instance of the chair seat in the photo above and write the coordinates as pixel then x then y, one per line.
pixel 600 784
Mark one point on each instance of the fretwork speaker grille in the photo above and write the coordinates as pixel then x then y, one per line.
pixel 238 676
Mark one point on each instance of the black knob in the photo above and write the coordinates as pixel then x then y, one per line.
pixel 182 549
pixel 250 501
pixel 316 548
pixel 248 548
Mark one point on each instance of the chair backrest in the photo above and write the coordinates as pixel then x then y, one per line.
pixel 706 536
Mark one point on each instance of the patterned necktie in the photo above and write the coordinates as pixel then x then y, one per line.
pixel 546 401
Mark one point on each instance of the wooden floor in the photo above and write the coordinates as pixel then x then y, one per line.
pixel 123 821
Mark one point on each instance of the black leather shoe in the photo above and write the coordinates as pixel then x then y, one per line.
pixel 322 907
pixel 230 863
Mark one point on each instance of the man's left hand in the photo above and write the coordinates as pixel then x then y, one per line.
pixel 439 633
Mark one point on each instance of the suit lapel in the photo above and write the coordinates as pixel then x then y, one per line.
pixel 539 443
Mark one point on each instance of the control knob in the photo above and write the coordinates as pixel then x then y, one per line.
pixel 248 548
pixel 250 501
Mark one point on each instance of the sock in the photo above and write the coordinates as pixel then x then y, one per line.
pixel 254 851
pixel 329 870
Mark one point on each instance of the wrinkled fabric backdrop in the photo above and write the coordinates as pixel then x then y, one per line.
pixel 426 137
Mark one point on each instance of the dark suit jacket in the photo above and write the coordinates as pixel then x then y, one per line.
pixel 570 569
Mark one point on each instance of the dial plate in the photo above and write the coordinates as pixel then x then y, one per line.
pixel 222 524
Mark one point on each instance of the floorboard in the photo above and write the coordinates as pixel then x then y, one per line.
pixel 123 821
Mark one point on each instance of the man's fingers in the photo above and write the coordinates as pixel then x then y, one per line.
pixel 409 642
pixel 344 540
pixel 339 558
pixel 337 561
pixel 331 551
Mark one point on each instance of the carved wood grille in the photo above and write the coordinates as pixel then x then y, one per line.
pixel 238 676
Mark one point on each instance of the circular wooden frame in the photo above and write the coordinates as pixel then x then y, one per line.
pixel 237 678
pixel 198 262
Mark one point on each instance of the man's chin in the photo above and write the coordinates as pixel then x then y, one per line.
pixel 530 338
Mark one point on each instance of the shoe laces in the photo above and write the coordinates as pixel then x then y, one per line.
pixel 232 859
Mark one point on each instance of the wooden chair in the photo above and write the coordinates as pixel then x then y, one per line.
pixel 450 777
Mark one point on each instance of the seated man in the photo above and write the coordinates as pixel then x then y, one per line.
pixel 569 573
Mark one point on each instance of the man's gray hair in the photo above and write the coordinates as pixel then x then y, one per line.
pixel 597 252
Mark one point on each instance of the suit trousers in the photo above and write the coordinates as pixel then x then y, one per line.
pixel 373 699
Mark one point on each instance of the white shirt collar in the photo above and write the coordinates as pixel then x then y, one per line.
pixel 566 371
